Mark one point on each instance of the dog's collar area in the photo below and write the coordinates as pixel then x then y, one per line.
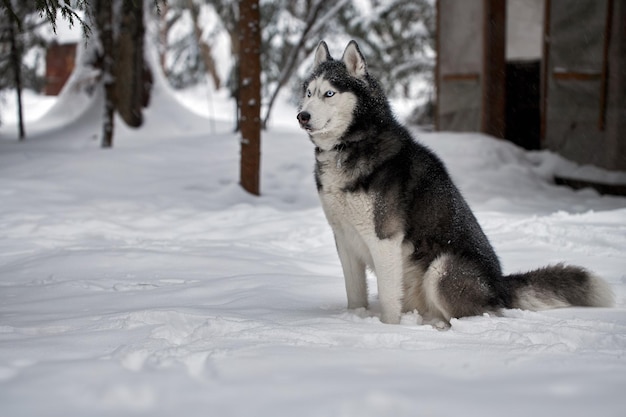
pixel 340 147
pixel 337 148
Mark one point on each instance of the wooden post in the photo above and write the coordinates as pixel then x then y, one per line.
pixel 616 94
pixel 250 94
pixel 494 68
pixel 437 65
pixel 605 65
pixel 545 73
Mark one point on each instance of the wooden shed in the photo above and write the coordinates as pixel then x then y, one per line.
pixel 60 61
pixel 545 74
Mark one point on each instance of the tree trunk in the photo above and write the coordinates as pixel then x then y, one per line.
pixel 132 94
pixel 125 76
pixel 16 59
pixel 250 93
pixel 103 11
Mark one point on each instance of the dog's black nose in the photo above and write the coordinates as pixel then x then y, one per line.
pixel 304 117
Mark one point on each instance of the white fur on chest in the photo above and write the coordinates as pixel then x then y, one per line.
pixel 347 212
pixel 351 216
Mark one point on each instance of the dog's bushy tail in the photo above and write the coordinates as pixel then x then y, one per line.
pixel 558 286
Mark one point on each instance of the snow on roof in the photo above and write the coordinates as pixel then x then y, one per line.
pixel 65 32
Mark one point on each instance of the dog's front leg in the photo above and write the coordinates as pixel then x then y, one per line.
pixel 353 273
pixel 387 257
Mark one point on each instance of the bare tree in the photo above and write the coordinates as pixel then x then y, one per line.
pixel 319 14
pixel 103 16
pixel 250 94
pixel 16 61
pixel 18 34
pixel 205 48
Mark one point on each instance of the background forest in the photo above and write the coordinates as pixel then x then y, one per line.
pixel 198 41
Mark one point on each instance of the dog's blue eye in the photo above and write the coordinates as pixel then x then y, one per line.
pixel 308 93
pixel 330 93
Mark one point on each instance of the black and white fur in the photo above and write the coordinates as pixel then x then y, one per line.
pixel 394 209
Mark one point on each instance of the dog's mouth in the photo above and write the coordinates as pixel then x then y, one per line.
pixel 311 130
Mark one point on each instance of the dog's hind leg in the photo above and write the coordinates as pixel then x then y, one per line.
pixel 456 287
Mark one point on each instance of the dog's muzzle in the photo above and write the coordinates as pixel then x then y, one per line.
pixel 304 117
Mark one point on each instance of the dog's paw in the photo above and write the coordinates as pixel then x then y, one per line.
pixel 390 318
pixel 355 305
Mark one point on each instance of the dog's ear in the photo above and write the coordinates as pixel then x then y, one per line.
pixel 353 58
pixel 321 54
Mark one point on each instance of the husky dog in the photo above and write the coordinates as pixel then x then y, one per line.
pixel 394 209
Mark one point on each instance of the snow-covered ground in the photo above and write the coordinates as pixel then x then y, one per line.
pixel 142 280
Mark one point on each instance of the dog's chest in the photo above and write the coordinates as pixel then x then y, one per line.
pixel 348 209
pixel 344 208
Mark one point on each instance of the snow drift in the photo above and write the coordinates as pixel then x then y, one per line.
pixel 143 280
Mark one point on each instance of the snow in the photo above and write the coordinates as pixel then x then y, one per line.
pixel 142 280
pixel 64 31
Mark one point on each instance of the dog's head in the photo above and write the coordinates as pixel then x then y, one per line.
pixel 331 95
